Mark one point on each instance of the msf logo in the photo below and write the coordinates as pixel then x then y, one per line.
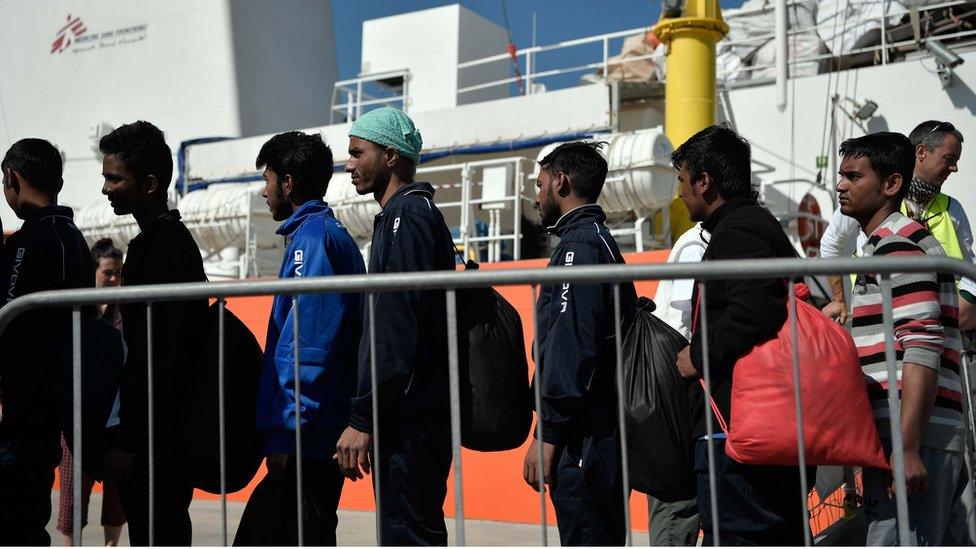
pixel 71 30
pixel 564 296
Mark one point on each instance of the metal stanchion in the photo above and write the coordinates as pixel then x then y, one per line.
pixel 454 377
pixel 801 447
pixel 621 415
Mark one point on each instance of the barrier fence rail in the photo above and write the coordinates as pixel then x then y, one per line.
pixel 453 281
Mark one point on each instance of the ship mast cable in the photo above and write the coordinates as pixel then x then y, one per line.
pixel 512 52
pixel 828 114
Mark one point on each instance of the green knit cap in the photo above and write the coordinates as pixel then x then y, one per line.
pixel 389 127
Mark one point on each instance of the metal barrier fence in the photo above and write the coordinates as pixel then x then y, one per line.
pixel 453 281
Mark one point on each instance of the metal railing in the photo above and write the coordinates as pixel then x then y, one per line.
pixel 351 98
pixel 451 282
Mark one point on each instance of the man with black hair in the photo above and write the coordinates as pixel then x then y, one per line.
pixel 297 169
pixel 937 149
pixel 47 253
pixel 758 505
pixel 137 167
pixel 875 177
pixel 576 331
pixel 410 338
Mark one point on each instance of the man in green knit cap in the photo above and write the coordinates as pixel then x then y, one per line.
pixel 410 344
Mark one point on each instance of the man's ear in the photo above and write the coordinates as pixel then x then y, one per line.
pixel 287 184
pixel 705 183
pixel 152 185
pixel 390 157
pixel 920 152
pixel 12 180
pixel 892 185
pixel 561 185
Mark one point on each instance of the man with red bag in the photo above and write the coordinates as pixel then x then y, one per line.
pixel 874 177
pixel 757 504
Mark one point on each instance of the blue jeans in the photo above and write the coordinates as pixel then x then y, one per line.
pixel 937 516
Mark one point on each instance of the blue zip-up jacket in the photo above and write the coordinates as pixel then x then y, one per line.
pixel 576 329
pixel 329 331
pixel 411 326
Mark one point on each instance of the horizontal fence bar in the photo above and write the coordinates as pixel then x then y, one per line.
pixel 431 280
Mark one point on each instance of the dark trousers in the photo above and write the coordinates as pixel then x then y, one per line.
pixel 173 494
pixel 757 504
pixel 587 488
pixel 271 518
pixel 415 461
pixel 25 498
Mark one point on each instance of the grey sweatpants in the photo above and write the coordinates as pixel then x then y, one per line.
pixel 936 516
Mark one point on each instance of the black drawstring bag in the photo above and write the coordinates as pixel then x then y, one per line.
pixel 496 406
pixel 659 441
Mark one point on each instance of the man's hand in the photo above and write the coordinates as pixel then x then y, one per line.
pixel 352 452
pixel 118 465
pixel 685 367
pixel 530 469
pixel 916 476
pixel 836 310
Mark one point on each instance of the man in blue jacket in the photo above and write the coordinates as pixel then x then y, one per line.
pixel 297 170
pixel 577 355
pixel 410 338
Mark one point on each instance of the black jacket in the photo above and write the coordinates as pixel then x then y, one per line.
pixel 576 329
pixel 411 326
pixel 47 253
pixel 741 313
pixel 164 252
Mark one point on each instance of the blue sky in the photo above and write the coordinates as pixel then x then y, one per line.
pixel 557 20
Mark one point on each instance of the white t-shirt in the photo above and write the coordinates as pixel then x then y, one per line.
pixel 673 298
pixel 843 238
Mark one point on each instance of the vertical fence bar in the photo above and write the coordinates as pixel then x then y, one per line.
pixel 606 59
pixel 221 417
pixel 710 440
pixel 76 427
pixel 621 415
pixel 797 394
pixel 374 383
pixel 537 390
pixel 151 424
pixel 299 496
pixel 894 405
pixel 967 388
pixel 455 379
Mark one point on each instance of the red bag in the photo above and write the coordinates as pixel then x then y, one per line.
pixel 838 421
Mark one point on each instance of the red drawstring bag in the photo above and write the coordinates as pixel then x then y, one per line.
pixel 838 421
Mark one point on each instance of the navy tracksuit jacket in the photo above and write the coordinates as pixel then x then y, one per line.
pixel 577 357
pixel 409 235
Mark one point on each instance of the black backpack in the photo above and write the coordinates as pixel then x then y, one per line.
pixel 659 430
pixel 244 444
pixel 496 403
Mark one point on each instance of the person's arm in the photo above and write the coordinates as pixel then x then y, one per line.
pixel 756 308
pixel 838 240
pixel 571 350
pixel 919 330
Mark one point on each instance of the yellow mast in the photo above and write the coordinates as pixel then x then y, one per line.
pixel 689 87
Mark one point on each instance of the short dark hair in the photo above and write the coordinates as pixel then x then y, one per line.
pixel 887 152
pixel 723 155
pixel 38 161
pixel 582 163
pixel 105 248
pixel 932 133
pixel 305 157
pixel 143 149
